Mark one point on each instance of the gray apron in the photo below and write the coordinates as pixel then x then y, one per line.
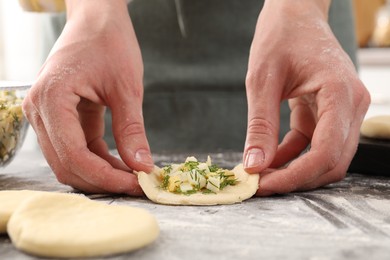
pixel 195 54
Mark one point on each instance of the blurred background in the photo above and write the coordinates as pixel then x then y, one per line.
pixel 26 39
pixel 372 25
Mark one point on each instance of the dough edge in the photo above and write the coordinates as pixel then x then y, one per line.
pixel 10 201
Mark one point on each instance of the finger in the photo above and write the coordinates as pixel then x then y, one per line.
pixel 303 124
pixel 261 191
pixel 323 157
pixel 303 121
pixel 264 95
pixel 65 133
pixel 128 127
pixel 293 144
pixel 339 172
pixel 334 143
pixel 51 156
pixel 92 121
pixel 99 147
pixel 347 154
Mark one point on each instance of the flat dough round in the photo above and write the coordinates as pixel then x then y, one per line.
pixel 9 201
pixel 245 189
pixel 376 127
pixel 69 225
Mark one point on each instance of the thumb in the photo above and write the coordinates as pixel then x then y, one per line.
pixel 128 128
pixel 263 123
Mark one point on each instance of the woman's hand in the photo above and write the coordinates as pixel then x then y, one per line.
pixel 295 56
pixel 95 63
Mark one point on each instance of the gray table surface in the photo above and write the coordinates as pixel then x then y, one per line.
pixel 346 220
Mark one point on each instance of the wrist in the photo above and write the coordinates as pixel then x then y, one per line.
pixel 319 8
pixel 95 9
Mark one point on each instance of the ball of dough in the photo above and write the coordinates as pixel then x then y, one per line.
pixel 68 225
pixel 376 127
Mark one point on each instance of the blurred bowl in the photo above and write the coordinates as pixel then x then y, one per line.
pixel 13 124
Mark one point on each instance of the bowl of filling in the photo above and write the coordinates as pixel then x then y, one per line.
pixel 13 124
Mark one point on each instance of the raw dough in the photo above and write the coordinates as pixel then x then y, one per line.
pixel 246 188
pixel 9 201
pixel 376 127
pixel 69 225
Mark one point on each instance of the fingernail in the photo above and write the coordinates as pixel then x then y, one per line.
pixel 254 158
pixel 143 156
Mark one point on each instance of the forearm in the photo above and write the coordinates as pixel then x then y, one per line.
pixel 89 20
pixel 282 16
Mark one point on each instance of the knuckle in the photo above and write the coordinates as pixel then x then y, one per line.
pixel 362 95
pixel 131 129
pixel 332 162
pixel 261 126
pixel 257 78
pixel 31 114
pixel 34 94
pixel 39 96
pixel 26 104
pixel 339 176
pixel 30 101
pixel 132 85
pixel 47 91
pixel 252 78
pixel 336 175
pixel 137 91
pixel 27 109
pixel 261 76
pixel 331 165
pixel 336 168
pixel 61 177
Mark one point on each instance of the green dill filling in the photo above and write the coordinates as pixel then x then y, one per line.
pixel 207 191
pixel 213 168
pixel 194 177
pixel 190 165
pixel 167 169
pixel 165 182
pixel 190 192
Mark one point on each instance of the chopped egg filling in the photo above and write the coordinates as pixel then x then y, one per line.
pixel 11 122
pixel 192 177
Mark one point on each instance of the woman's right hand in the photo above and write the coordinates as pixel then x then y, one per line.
pixel 95 63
